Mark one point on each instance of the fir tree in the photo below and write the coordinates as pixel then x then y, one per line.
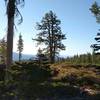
pixel 3 50
pixel 20 46
pixel 41 57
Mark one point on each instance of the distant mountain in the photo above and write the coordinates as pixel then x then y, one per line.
pixel 24 56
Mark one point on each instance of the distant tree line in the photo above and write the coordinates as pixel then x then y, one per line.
pixel 84 59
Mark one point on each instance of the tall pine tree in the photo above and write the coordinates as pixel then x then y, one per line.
pixel 20 46
pixel 12 11
pixel 51 35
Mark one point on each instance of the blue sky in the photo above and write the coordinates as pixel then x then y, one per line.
pixel 77 22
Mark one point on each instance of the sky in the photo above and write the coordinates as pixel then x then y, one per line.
pixel 77 22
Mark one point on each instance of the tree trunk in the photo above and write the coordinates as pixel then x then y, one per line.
pixel 9 48
pixel 52 39
pixel 10 41
pixel 10 31
pixel 20 55
pixel 50 45
pixel 51 56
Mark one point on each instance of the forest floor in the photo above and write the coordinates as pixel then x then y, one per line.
pixel 59 81
pixel 82 82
